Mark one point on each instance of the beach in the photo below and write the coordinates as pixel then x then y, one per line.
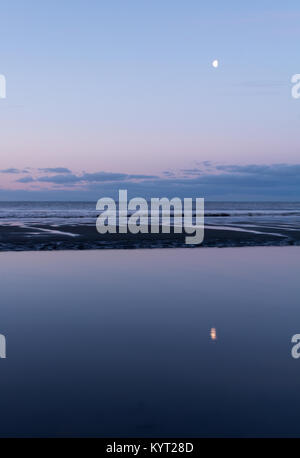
pixel 40 237
pixel 158 343
pixel 40 226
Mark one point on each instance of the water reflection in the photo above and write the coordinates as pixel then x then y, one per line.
pixel 213 334
pixel 133 353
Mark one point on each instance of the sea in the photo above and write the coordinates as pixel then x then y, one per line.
pixel 63 213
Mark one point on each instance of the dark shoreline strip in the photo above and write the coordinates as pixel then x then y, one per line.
pixel 40 238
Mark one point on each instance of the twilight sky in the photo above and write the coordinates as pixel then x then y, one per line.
pixel 103 92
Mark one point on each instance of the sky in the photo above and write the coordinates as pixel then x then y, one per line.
pixel 109 93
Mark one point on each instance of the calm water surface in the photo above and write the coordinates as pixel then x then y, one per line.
pixel 154 343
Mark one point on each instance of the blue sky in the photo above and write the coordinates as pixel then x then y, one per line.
pixel 126 88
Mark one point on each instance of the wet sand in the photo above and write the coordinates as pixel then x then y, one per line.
pixel 42 237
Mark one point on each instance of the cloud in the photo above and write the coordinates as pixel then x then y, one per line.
pixel 273 170
pixel 217 182
pixel 11 170
pixel 55 170
pixel 203 167
pixel 25 180
pixel 59 179
pixel 43 170
pixel 192 171
pixel 142 177
pixel 108 176
pixel 97 177
pixel 65 177
pixel 104 176
pixel 168 173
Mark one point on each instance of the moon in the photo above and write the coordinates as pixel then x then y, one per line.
pixel 215 63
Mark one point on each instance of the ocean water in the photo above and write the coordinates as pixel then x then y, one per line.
pixel 150 343
pixel 86 213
